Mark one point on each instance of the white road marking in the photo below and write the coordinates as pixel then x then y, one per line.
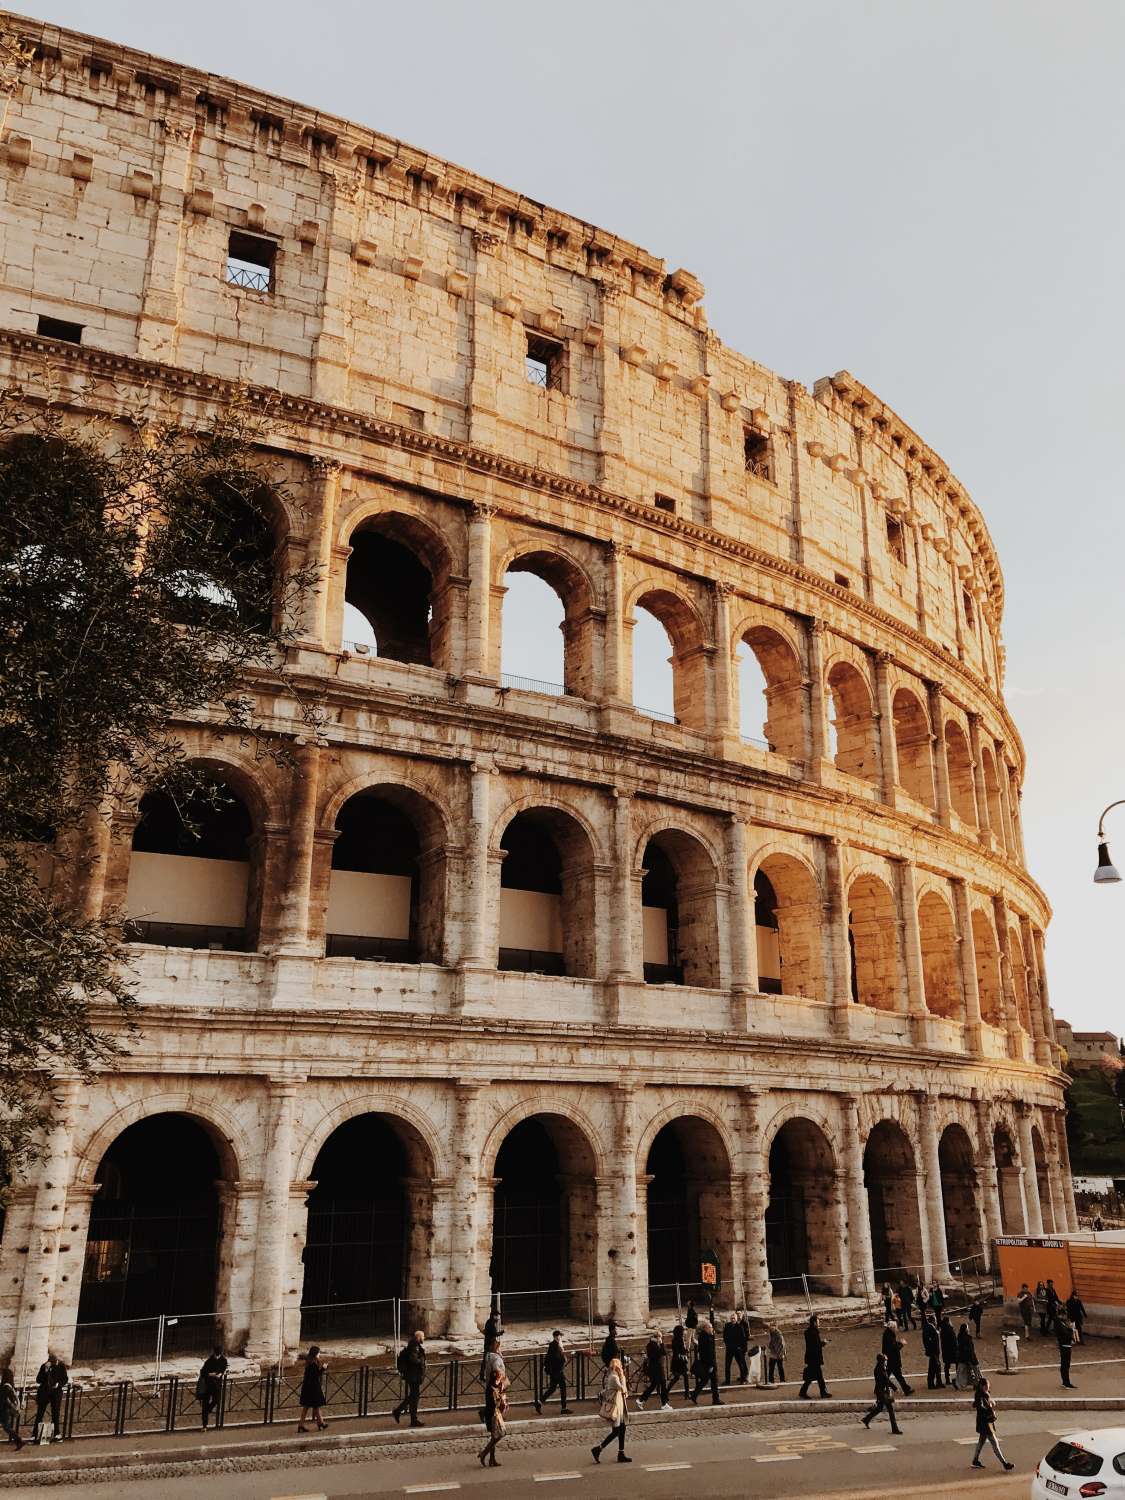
pixel 878 1448
pixel 426 1489
pixel 664 1468
pixel 966 1442
pixel 549 1478
pixel 774 1458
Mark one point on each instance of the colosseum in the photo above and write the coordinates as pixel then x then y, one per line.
pixel 508 987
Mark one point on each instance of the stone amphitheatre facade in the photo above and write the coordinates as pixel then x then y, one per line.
pixel 505 987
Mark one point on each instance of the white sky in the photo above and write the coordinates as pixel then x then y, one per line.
pixel 929 195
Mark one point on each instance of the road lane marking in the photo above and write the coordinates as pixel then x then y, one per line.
pixel 877 1448
pixel 664 1468
pixel 427 1489
pixel 550 1478
pixel 775 1458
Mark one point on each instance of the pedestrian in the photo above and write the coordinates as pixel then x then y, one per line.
pixel 680 1366
pixel 706 1365
pixel 735 1343
pixel 1076 1312
pixel 209 1386
pixel 985 1409
pixel 611 1349
pixel 1041 1304
pixel 888 1302
pixel 50 1382
pixel 10 1408
pixel 1054 1302
pixel 966 1358
pixel 884 1396
pixel 555 1361
pixel 1064 1333
pixel 937 1299
pixel 312 1397
pixel 656 1369
pixel 411 1364
pixel 948 1338
pixel 892 1351
pixel 495 1403
pixel 691 1317
pixel 976 1313
pixel 931 1347
pixel 814 1360
pixel 906 1295
pixel 776 1347
pixel 1026 1304
pixel 1098 1224
pixel 492 1330
pixel 613 1407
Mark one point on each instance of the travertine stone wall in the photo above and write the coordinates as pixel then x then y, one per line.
pixel 658 470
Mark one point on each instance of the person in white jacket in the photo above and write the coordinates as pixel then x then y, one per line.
pixel 613 1408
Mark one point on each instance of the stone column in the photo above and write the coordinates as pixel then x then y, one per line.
pixel 1030 1175
pixel 158 325
pixel 48 1224
pixel 483 337
pixel 614 421
pixel 987 1174
pixel 313 627
pixel 624 957
pixel 1012 1027
pixel 974 1032
pixel 859 1219
pixel 475 894
pixel 725 727
pixel 888 751
pixel 629 1294
pixel 915 997
pixel 743 954
pixel 1044 994
pixel 836 935
pixel 933 1198
pixel 984 819
pixel 1067 1174
pixel 271 1258
pixel 757 1290
pixel 1059 1223
pixel 941 760
pixel 1040 1040
pixel 463 1247
pixel 478 631
pixel 615 688
pixel 817 700
pixel 332 350
pixel 293 918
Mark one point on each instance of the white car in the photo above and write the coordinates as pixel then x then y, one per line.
pixel 1082 1465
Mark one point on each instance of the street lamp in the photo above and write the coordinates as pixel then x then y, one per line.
pixel 1105 874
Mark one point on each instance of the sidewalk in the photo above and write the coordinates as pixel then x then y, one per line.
pixel 1098 1371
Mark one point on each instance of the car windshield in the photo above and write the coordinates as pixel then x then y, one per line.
pixel 1065 1458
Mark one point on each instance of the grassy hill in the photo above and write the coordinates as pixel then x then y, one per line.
pixel 1094 1129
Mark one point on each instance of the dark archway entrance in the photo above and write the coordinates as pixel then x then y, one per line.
pixel 892 1201
pixel 689 1209
pixel 959 1194
pixel 153 1242
pixel 802 1235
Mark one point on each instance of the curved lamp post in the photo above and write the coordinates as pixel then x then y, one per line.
pixel 1105 874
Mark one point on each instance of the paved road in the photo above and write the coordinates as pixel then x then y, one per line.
pixel 773 1459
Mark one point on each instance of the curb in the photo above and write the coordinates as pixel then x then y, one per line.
pixel 129 1463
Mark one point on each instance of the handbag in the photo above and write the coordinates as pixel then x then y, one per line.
pixel 607 1403
pixel 201 1388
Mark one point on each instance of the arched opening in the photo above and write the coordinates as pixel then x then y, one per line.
pixel 892 1201
pixel 1019 977
pixel 771 695
pixel 873 933
pixel 543 590
pixel 914 746
pixel 941 971
pixel 1012 1218
pixel 787 916
pixel 654 683
pixel 851 726
pixel 396 593
pixel 229 531
pixel 386 891
pixel 1043 1181
pixel 959 1194
pixel 369 1230
pixel 992 793
pixel 679 911
pixel 543 1220
pixel 153 1244
pixel 192 881
pixel 681 626
pixel 988 968
pixel 547 921
pixel 689 1206
pixel 803 1231
pixel 962 792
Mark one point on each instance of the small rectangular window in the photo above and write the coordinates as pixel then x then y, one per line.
pixel 58 328
pixel 543 364
pixel 665 502
pixel 250 261
pixel 756 453
pixel 896 540
pixel 967 605
pixel 843 580
pixel 409 416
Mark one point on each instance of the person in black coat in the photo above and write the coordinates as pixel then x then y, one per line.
pixel 985 1409
pixel 884 1396
pixel 656 1369
pixel 1076 1312
pixel 706 1371
pixel 736 1340
pixel 892 1349
pixel 312 1397
pixel 814 1360
pixel 412 1367
pixel 966 1358
pixel 50 1382
pixel 976 1313
pixel 209 1386
pixel 947 1335
pixel 691 1317
pixel 1064 1334
pixel 680 1364
pixel 906 1299
pixel 931 1346
pixel 554 1367
pixel 611 1349
pixel 492 1331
